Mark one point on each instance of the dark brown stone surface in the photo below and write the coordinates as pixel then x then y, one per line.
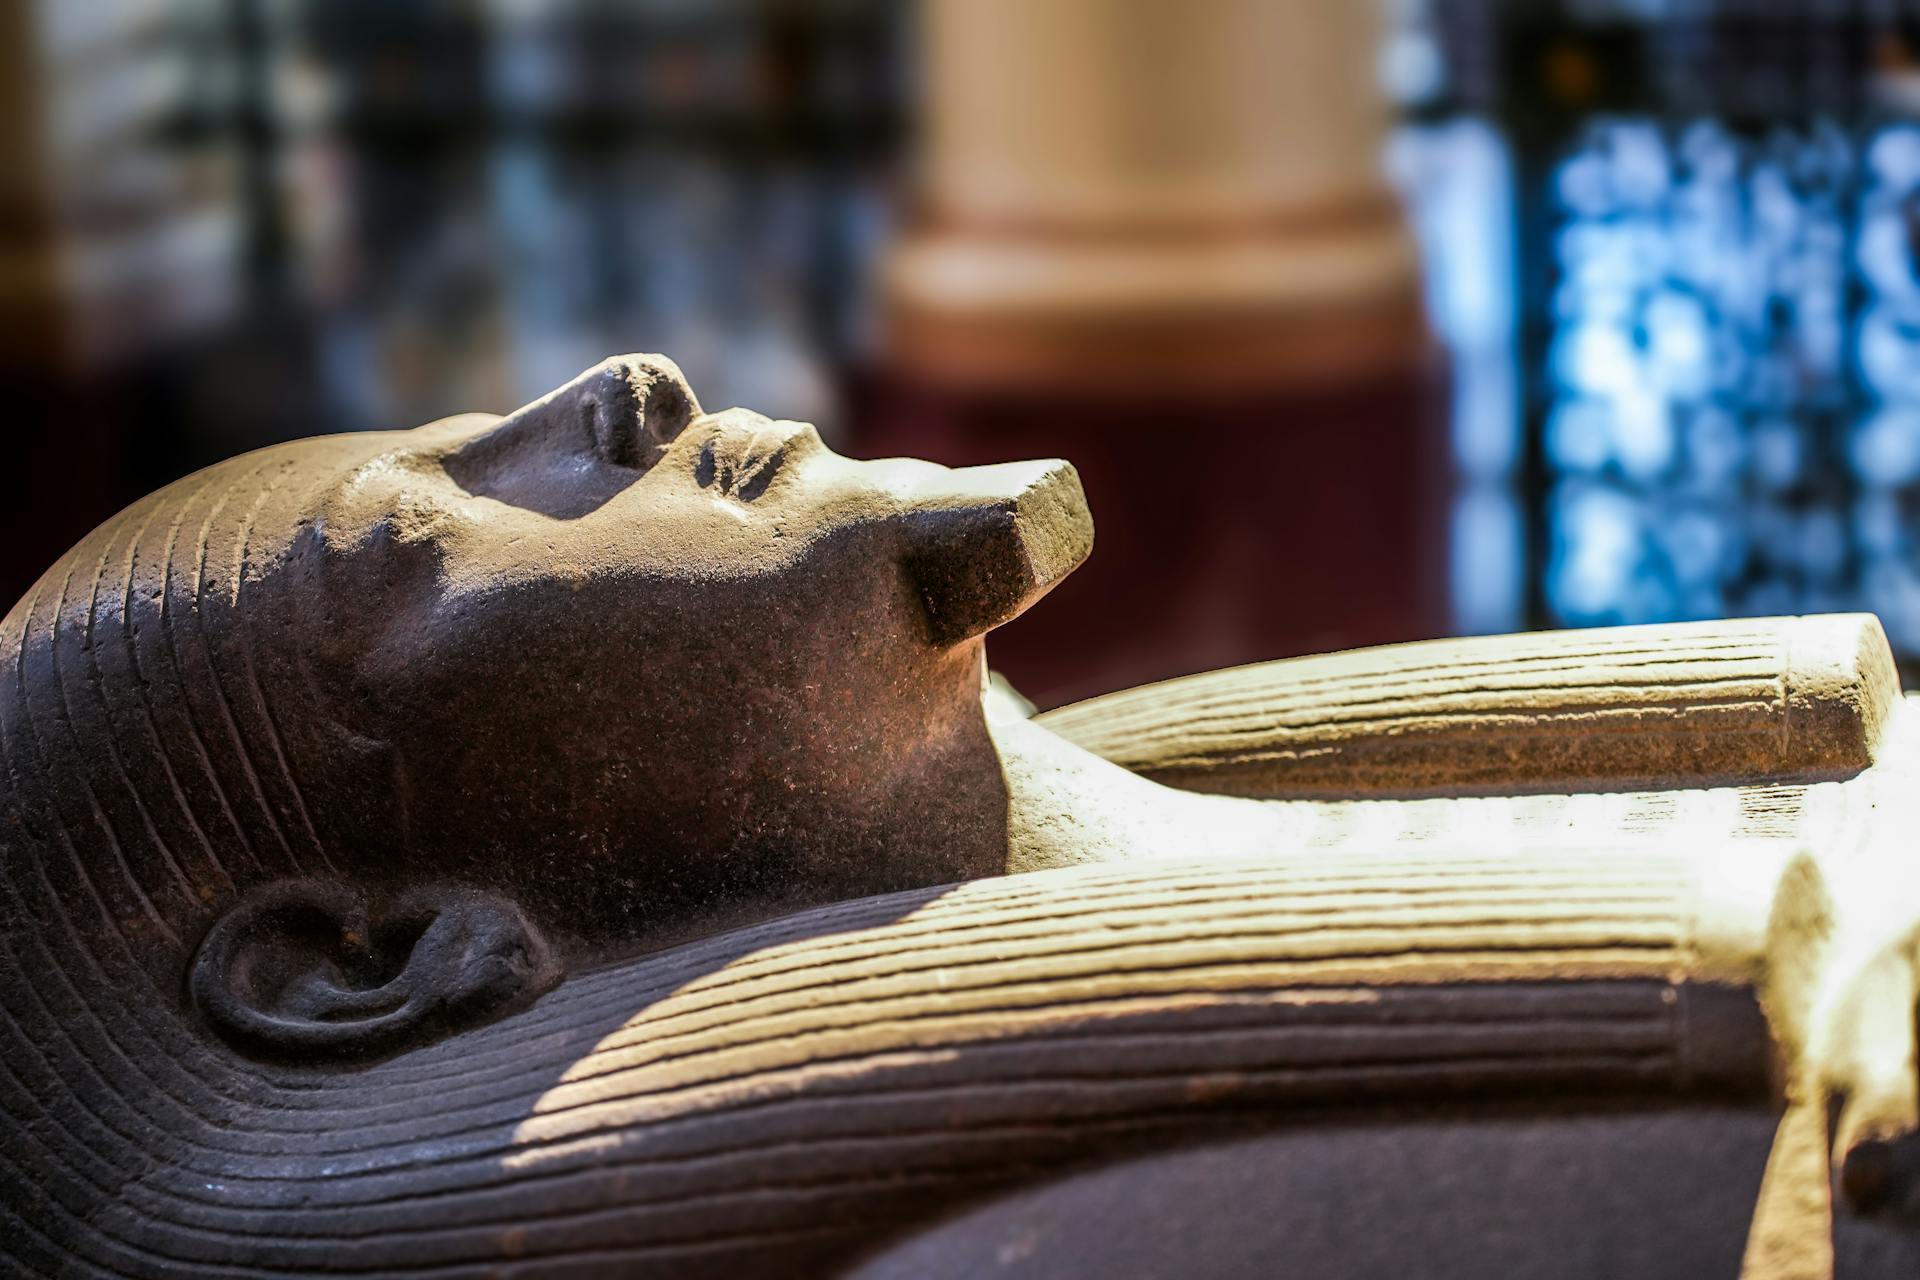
pixel 585 843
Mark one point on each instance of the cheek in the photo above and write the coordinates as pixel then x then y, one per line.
pixel 825 656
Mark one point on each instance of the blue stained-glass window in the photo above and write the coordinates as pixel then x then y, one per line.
pixel 1696 369
pixel 1713 216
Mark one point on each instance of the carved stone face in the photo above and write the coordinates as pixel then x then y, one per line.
pixel 643 667
pixel 352 792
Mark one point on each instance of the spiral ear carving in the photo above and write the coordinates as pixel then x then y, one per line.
pixel 300 970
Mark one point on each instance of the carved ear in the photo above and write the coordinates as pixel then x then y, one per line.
pixel 992 540
pixel 298 970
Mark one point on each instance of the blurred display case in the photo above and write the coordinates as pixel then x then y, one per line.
pixel 230 222
pixel 124 228
pixel 1711 308
pixel 529 186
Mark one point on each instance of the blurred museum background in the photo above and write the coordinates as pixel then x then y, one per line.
pixel 1364 320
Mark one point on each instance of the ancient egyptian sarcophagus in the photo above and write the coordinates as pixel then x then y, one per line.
pixel 587 842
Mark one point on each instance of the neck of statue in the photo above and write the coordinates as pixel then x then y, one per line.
pixel 1067 806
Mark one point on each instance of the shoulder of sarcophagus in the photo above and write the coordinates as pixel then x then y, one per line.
pixel 1668 706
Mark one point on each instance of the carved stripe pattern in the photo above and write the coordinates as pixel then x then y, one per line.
pixel 758 1100
pixel 1704 704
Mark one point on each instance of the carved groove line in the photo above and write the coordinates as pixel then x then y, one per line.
pixel 1217 699
pixel 157 749
pixel 73 767
pixel 218 685
pixel 169 628
pixel 244 638
pixel 96 686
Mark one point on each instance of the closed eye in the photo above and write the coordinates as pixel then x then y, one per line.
pixel 741 468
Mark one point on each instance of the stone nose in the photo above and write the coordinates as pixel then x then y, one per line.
pixel 986 542
pixel 631 407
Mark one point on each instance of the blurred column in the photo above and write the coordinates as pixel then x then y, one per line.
pixel 1155 239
